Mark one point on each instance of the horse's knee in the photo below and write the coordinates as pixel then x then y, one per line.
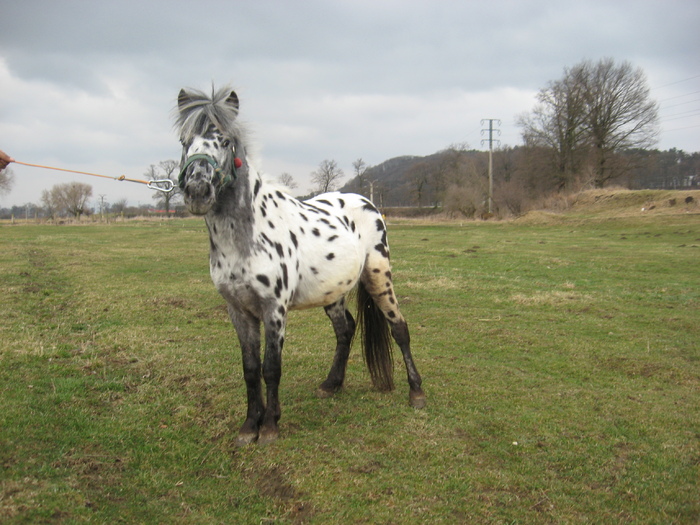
pixel 351 325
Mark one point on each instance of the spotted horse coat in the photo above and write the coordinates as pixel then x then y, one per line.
pixel 271 253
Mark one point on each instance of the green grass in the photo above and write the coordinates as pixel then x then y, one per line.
pixel 560 362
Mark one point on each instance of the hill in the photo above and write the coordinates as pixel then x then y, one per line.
pixel 456 179
pixel 393 175
pixel 410 180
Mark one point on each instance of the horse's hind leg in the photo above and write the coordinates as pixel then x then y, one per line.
pixel 377 280
pixel 399 331
pixel 344 327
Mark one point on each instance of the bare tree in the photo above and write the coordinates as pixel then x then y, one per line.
pixel 166 169
pixel 463 200
pixel 7 178
pixel 70 197
pixel 327 176
pixel 620 113
pixel 48 204
pixel 169 169
pixel 287 180
pixel 590 116
pixel 558 124
pixel 419 175
pixel 151 173
pixel 119 206
pixel 359 168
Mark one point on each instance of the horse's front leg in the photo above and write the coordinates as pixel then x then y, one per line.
pixel 272 372
pixel 248 330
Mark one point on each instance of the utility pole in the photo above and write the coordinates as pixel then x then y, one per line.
pixel 491 140
pixel 102 206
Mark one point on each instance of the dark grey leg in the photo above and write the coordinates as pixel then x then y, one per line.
pixel 399 331
pixel 272 373
pixel 344 327
pixel 248 330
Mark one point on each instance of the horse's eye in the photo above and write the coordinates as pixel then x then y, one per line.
pixel 226 143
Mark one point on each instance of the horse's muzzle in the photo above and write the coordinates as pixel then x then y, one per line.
pixel 199 196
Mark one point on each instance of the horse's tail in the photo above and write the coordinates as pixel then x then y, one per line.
pixel 376 340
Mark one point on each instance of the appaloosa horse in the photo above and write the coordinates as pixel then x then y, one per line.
pixel 271 253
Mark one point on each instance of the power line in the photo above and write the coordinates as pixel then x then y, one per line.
pixel 681 129
pixel 679 116
pixel 680 96
pixel 677 82
pixel 682 103
pixel 473 132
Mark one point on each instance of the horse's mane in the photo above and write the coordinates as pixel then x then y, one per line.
pixel 201 110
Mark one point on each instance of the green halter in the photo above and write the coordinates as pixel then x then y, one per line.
pixel 223 178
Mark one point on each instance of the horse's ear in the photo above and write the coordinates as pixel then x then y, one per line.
pixel 182 99
pixel 232 100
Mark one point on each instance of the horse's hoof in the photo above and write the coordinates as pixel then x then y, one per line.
pixel 246 439
pixel 417 399
pixel 268 436
pixel 325 393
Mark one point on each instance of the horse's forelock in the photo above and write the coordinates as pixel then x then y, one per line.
pixel 196 111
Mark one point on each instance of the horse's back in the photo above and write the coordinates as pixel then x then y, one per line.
pixel 362 216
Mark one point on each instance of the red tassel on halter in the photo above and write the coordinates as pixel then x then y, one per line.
pixel 237 162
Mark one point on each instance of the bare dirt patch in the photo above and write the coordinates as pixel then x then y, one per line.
pixel 272 483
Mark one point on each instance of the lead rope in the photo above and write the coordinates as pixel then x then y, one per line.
pixel 167 184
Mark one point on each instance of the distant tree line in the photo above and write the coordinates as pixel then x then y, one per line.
pixel 117 209
pixel 456 179
pixel 72 199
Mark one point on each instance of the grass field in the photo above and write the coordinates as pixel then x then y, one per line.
pixel 561 363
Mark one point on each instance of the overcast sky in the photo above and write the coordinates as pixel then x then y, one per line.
pixel 90 85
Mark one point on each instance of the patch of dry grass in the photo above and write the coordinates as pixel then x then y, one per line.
pixel 551 298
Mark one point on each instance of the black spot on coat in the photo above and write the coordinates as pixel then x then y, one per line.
pixel 381 248
pixel 278 288
pixel 285 276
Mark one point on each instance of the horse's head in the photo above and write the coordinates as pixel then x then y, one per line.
pixel 209 143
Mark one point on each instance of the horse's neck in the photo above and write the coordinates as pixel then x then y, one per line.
pixel 232 219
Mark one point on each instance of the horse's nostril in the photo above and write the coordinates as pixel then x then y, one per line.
pixel 198 190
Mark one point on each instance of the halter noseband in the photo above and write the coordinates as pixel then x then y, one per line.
pixel 222 177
